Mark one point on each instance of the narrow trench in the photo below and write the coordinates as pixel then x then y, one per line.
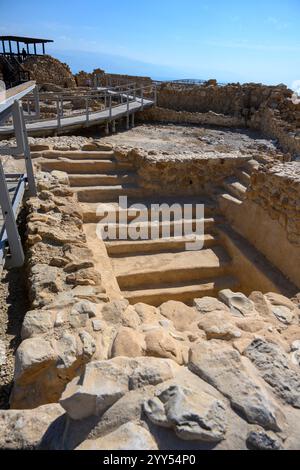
pixel 14 304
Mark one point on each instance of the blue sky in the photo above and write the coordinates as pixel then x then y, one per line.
pixel 231 40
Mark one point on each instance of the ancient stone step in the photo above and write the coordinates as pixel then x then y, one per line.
pixel 90 209
pixel 181 292
pixel 121 247
pixel 107 193
pixel 227 199
pixel 136 272
pixel 102 180
pixel 243 176
pixel 75 155
pixel 161 229
pixel 235 188
pixel 84 166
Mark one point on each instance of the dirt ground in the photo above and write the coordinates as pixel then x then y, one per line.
pixel 175 139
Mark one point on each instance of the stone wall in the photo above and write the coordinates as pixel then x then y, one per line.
pixel 180 174
pixel 64 290
pixel 47 69
pixel 276 189
pixel 269 109
pixel 158 114
pixel 269 217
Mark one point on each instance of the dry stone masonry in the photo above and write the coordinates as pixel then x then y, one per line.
pixel 131 345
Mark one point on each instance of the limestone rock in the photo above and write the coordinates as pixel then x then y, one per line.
pixel 219 325
pixel 151 371
pixel 3 358
pixel 261 440
pixel 130 318
pixel 23 429
pixel 100 385
pixel 160 344
pixel 284 314
pixel 113 311
pixel 36 322
pixel 33 353
pixel 85 308
pixel 67 350
pixel 146 313
pixel 276 369
pixel 192 415
pixel 180 314
pixel 238 303
pixel 130 436
pixel 128 343
pixel 280 300
pixel 104 382
pixel 209 304
pixel 226 370
pixel 88 344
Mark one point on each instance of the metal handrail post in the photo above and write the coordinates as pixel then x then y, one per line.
pixel 142 97
pixel 16 250
pixel 110 109
pixel 22 140
pixel 127 117
pixel 87 110
pixel 36 102
pixel 58 113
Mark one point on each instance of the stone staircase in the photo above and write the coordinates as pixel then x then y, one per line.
pixel 149 271
pixel 234 188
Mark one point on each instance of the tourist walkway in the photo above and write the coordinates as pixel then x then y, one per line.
pixel 131 105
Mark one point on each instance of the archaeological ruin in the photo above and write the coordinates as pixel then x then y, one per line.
pixel 114 338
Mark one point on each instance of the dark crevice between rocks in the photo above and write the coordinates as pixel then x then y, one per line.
pixel 14 304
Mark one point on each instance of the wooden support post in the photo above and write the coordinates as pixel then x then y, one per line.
pixel 113 126
pixel 132 120
pixel 107 128
pixel 43 48
pixel 10 49
pixel 62 106
pixel 3 46
pixel 34 47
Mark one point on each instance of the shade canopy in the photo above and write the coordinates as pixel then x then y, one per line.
pixel 25 40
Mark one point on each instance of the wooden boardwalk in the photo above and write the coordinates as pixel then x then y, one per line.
pixel 71 123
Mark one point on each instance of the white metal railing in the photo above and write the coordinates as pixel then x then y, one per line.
pixel 106 98
pixel 12 107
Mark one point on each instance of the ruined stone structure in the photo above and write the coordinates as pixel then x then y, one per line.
pixel 141 344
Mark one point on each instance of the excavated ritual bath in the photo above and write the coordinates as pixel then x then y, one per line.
pixel 155 271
